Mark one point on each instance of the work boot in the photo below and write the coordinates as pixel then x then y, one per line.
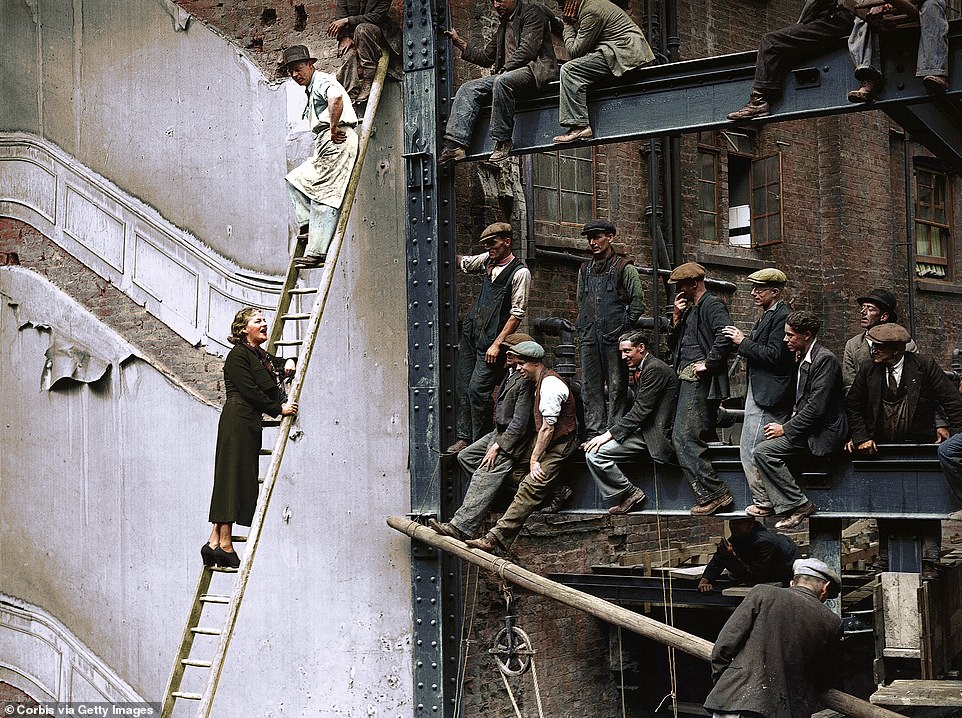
pixel 634 500
pixel 865 93
pixel 573 135
pixel 711 507
pixel 798 515
pixel 558 498
pixel 757 107
pixel 501 151
pixel 935 84
pixel 454 153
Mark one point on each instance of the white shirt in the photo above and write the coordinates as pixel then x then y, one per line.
pixel 808 358
pixel 554 393
pixel 896 370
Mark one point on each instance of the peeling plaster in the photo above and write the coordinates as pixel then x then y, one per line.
pixel 179 17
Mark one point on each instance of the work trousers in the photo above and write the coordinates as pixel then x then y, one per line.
pixel 780 50
pixel 602 465
pixel 752 435
pixel 933 57
pixel 475 381
pixel 484 485
pixel 502 90
pixel 950 457
pixel 359 63
pixel 780 485
pixel 602 367
pixel 322 219
pixel 694 418
pixel 533 491
pixel 576 75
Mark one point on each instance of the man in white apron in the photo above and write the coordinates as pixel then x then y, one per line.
pixel 317 186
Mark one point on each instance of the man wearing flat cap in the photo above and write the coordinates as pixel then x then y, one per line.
pixel 318 185
pixel 490 460
pixel 610 300
pixel 497 312
pixel 556 437
pixel 876 307
pixel 771 372
pixel 701 352
pixel 779 649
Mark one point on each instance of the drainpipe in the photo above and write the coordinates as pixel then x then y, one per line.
pixel 909 231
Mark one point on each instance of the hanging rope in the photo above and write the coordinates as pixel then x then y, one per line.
pixel 464 649
pixel 667 593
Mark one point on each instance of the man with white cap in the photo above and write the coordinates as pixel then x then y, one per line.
pixel 779 649
pixel 317 186
pixel 771 369
pixel 556 437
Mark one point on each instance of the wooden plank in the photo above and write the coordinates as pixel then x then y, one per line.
pixel 941 694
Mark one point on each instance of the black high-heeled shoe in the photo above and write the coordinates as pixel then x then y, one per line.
pixel 208 554
pixel 226 559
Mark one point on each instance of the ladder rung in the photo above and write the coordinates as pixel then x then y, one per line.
pixel 195 663
pixel 295 317
pixel 303 290
pixel 270 422
pixel 214 598
pixel 240 539
pixel 204 631
pixel 187 696
pixel 290 343
pixel 260 479
pixel 222 569
pixel 266 452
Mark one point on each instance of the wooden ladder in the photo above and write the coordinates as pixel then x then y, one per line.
pixel 214 664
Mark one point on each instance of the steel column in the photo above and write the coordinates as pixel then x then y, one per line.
pixel 432 340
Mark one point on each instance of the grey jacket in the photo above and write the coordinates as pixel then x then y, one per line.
pixel 777 651
pixel 602 25
pixel 652 410
pixel 532 29
pixel 514 414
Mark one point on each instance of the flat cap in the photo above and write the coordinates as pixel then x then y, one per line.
pixel 820 570
pixel 528 350
pixel 516 338
pixel 599 225
pixel 688 270
pixel 769 276
pixel 883 299
pixel 889 333
pixel 493 230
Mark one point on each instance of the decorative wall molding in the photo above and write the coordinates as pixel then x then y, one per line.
pixel 42 658
pixel 181 281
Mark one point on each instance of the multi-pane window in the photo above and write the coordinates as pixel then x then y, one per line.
pixel 932 223
pixel 709 197
pixel 767 200
pixel 563 189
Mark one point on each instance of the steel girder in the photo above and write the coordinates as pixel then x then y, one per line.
pixel 695 95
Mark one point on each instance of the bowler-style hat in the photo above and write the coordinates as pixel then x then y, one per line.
pixel 688 270
pixel 768 277
pixel 599 225
pixel 496 229
pixel 883 299
pixel 296 53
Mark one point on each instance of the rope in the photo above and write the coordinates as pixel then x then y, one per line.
pixel 667 593
pixel 537 691
pixel 621 664
pixel 465 647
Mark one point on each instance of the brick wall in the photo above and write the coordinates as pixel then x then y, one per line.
pixel 9 694
pixel 191 365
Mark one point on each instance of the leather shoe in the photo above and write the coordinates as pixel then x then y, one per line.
pixel 486 543
pixel 865 93
pixel 759 511
pixel 457 447
pixel 634 500
pixel 310 261
pixel 501 151
pixel 558 499
pixel 935 84
pixel 797 516
pixel 757 107
pixel 226 559
pixel 573 135
pixel 447 529
pixel 712 507
pixel 452 154
pixel 208 554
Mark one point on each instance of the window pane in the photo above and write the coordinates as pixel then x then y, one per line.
pixel 759 205
pixel 922 244
pixel 708 230
pixel 775 228
pixel 545 205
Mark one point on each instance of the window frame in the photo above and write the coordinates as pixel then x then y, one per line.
pixel 559 233
pixel 920 167
pixel 756 217
pixel 709 150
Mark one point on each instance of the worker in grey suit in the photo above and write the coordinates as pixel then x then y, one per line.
pixel 645 430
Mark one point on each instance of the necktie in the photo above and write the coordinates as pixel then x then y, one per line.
pixel 893 385
pixel 802 378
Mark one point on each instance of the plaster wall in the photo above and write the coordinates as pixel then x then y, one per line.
pixel 104 489
pixel 161 105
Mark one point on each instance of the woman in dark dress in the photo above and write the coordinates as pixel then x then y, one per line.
pixel 253 389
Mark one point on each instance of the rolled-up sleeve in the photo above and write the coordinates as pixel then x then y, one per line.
pixel 554 393
pixel 520 288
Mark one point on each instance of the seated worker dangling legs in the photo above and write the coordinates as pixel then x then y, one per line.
pixel 556 437
pixel 752 555
pixel 817 427
pixel 318 185
pixel 523 58
pixel 490 460
pixel 899 399
pixel 602 42
pixel 363 30
pixel 933 58
pixel 821 24
pixel 645 430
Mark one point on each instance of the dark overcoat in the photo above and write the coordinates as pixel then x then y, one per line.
pixel 652 409
pixel 252 390
pixel 710 315
pixel 927 390
pixel 778 650
pixel 771 366
pixel 819 419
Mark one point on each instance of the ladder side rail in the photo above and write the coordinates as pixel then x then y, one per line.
pixel 277 456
